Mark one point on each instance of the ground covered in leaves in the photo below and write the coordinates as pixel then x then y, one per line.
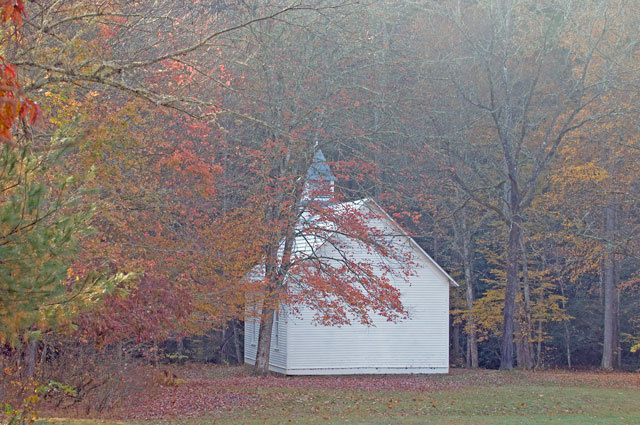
pixel 201 395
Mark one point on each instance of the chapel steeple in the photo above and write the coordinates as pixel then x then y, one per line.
pixel 320 181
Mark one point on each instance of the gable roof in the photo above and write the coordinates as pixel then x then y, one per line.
pixel 308 244
pixel 320 171
pixel 415 244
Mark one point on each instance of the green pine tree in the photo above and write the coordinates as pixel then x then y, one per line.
pixel 42 218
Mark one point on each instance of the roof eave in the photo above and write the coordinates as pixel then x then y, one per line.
pixel 416 244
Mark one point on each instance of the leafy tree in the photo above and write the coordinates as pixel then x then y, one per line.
pixel 40 224
pixel 523 79
pixel 41 221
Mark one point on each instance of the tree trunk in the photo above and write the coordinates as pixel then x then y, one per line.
pixel 264 341
pixel 435 247
pixel 180 350
pixel 275 275
pixel 567 335
pixel 512 203
pixel 43 355
pixel 223 354
pixel 517 330
pixel 467 354
pixel 276 269
pixel 523 352
pixel 456 344
pixel 513 283
pixel 30 350
pixel 523 357
pixel 609 347
pixel 236 343
pixel 208 347
pixel 472 339
pixel 526 333
pixel 539 348
pixel 463 239
pixel 567 339
pixel 617 332
pixel 601 281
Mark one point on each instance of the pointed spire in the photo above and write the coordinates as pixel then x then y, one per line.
pixel 320 180
pixel 319 169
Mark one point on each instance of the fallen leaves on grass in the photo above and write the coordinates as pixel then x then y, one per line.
pixel 411 383
pixel 191 399
pixel 205 390
pixel 593 378
pixel 230 388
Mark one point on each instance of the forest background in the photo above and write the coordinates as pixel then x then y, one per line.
pixel 154 152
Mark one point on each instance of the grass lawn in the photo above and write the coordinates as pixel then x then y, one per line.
pixel 233 396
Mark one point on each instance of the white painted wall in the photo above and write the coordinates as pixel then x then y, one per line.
pixel 419 344
pixel 278 352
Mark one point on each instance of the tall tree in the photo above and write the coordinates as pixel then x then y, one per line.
pixel 524 76
pixel 41 220
pixel 299 79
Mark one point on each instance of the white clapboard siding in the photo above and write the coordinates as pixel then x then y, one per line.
pixel 278 352
pixel 419 344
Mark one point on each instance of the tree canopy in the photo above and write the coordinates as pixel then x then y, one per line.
pixel 155 153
